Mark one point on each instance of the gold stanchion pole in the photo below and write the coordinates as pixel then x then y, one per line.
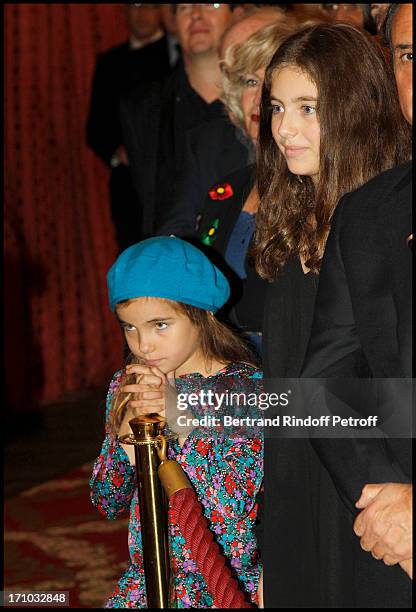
pixel 153 507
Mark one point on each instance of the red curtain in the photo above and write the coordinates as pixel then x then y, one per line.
pixel 59 239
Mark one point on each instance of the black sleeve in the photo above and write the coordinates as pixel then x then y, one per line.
pixel 131 139
pixel 335 354
pixel 188 198
pixel 103 129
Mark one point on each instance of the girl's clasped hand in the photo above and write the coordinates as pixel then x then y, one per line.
pixel 149 392
pixel 154 392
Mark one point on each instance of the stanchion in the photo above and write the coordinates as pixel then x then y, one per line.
pixel 153 508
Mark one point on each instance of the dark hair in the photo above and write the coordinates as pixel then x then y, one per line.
pixel 362 133
pixel 388 23
pixel 217 340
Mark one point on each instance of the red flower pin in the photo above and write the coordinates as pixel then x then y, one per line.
pixel 221 192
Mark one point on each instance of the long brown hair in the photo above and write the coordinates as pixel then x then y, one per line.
pixel 217 341
pixel 362 133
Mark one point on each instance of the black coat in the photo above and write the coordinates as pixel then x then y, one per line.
pixel 364 301
pixel 212 151
pixel 117 72
pixel 218 221
pixel 154 132
pixel 363 316
pixel 363 309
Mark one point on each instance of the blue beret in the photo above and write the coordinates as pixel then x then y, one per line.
pixel 167 267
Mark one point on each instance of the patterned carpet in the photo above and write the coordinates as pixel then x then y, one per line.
pixel 56 540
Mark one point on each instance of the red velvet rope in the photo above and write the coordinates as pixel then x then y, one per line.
pixel 187 514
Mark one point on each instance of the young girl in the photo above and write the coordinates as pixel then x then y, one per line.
pixel 164 292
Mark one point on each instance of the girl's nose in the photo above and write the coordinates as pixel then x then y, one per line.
pixel 145 345
pixel 287 127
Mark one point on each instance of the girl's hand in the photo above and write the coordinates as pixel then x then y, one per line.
pixel 152 393
pixel 148 394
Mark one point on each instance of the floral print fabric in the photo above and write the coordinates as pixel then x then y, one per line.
pixel 226 472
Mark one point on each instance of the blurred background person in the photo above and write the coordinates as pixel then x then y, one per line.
pixel 378 13
pixel 143 58
pixel 346 13
pixel 169 25
pixel 154 125
pixel 309 11
pixel 359 15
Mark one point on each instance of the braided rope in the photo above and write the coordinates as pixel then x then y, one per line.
pixel 187 514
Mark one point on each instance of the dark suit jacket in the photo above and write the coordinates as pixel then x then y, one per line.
pixel 154 130
pixel 218 221
pixel 365 287
pixel 220 212
pixel 117 72
pixel 212 151
pixel 363 315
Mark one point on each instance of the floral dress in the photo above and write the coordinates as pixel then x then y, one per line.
pixel 226 472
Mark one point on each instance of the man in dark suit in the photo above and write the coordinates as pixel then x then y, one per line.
pixel 217 147
pixel 363 320
pixel 142 59
pixel 155 125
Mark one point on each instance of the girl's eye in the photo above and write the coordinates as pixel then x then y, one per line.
pixel 161 325
pixel 276 108
pixel 128 328
pixel 250 82
pixel 308 110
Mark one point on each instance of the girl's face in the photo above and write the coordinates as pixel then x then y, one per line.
pixel 295 126
pixel 160 335
pixel 250 100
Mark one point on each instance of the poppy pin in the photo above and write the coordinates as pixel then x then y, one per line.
pixel 221 192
